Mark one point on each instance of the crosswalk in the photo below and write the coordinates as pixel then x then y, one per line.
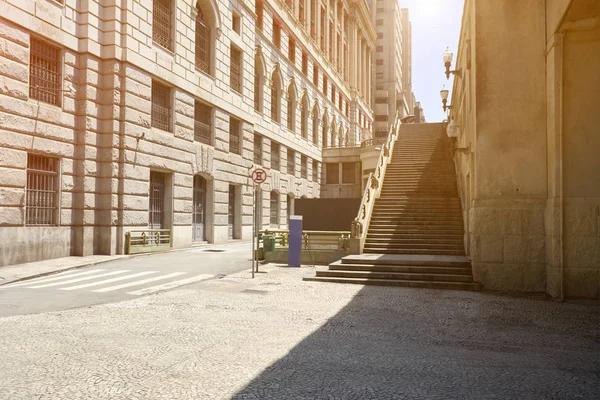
pixel 105 281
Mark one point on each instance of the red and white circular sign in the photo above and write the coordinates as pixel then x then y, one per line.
pixel 259 175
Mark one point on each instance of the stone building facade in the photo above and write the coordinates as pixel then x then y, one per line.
pixel 528 140
pixel 118 115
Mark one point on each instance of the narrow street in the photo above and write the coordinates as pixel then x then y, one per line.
pixel 122 279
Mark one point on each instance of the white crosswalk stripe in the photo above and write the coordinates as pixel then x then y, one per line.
pixel 138 283
pixel 65 275
pixel 171 285
pixel 111 280
pixel 85 278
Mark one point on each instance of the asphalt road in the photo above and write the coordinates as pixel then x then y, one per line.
pixel 123 279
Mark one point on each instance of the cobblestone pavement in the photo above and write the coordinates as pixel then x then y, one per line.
pixel 280 338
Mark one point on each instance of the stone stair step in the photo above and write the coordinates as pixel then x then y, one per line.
pixel 457 241
pixel 402 283
pixel 421 228
pixel 416 269
pixel 409 246
pixel 408 260
pixel 393 250
pixel 396 276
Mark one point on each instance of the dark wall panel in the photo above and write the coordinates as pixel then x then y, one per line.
pixel 326 214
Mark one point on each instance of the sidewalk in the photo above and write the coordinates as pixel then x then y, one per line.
pixel 17 272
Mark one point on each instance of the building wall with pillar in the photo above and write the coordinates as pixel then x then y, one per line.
pixel 118 115
pixel 528 168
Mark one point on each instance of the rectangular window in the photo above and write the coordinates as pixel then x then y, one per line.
pixel 156 207
pixel 325 85
pixel 202 123
pixel 332 171
pixel 258 149
pixel 340 101
pixel 348 172
pixel 333 94
pixel 292 51
pixel 202 45
pixel 316 75
pixel 274 206
pixel 301 15
pixel 323 27
pixel 259 14
pixel 235 136
pixel 380 35
pixel 45 72
pixel 291 162
pixel 276 34
pixel 315 171
pixel 161 106
pixel 379 62
pixel 303 166
pixel 304 64
pixel 41 195
pixel 275 156
pixel 379 49
pixel 161 23
pixel 379 22
pixel 236 69
pixel 236 23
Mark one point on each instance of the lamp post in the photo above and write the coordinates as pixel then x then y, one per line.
pixel 447 57
pixel 444 96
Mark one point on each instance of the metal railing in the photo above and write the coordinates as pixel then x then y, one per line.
pixel 373 188
pixel 147 240
pixel 373 142
pixel 311 240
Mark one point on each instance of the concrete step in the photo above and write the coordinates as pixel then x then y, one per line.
pixel 407 260
pixel 425 245
pixel 392 250
pixel 402 283
pixel 393 239
pixel 415 269
pixel 417 235
pixel 418 217
pixel 396 276
pixel 399 221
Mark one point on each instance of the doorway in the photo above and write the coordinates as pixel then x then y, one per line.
pixel 199 209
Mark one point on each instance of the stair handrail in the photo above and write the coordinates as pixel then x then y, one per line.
pixel 373 189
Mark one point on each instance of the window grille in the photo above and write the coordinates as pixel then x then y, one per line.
pixel 161 23
pixel 236 70
pixel 41 195
pixel 45 72
pixel 161 106
pixel 303 166
pixel 275 102
pixel 234 136
pixel 157 200
pixel 291 162
pixel 275 156
pixel 315 171
pixel 332 171
pixel 202 123
pixel 274 206
pixel 202 44
pixel 258 149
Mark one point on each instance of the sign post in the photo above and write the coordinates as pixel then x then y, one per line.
pixel 259 176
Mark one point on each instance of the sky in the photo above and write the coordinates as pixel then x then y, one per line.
pixel 435 26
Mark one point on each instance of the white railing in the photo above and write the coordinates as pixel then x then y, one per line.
pixel 372 191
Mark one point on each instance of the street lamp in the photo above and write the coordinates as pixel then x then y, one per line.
pixel 447 57
pixel 444 95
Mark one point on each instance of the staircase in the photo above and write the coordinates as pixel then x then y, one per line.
pixel 415 236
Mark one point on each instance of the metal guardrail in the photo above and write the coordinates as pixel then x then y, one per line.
pixel 373 188
pixel 311 240
pixel 147 240
pixel 373 142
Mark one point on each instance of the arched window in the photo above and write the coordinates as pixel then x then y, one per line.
pixel 325 131
pixel 333 134
pixel 259 80
pixel 205 26
pixel 304 117
pixel 346 139
pixel 276 96
pixel 315 136
pixel 340 136
pixel 291 107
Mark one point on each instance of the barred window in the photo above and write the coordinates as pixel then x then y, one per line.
pixel 332 171
pixel 303 166
pixel 291 162
pixel 292 51
pixel 315 171
pixel 202 123
pixel 274 205
pixel 161 106
pixel 276 34
pixel 235 136
pixel 348 172
pixel 45 72
pixel 161 23
pixel 41 194
pixel 258 149
pixel 275 156
pixel 202 44
pixel 236 70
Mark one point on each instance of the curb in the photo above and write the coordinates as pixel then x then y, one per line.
pixel 122 257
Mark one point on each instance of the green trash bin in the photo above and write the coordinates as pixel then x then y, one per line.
pixel 268 243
